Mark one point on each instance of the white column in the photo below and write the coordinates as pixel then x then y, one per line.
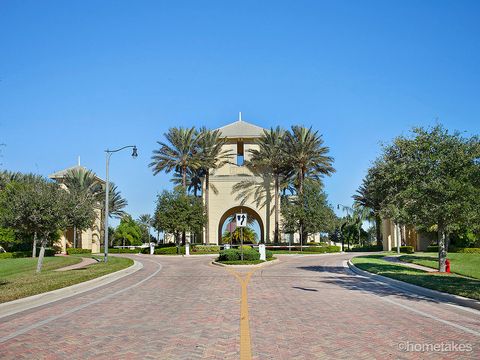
pixel 187 249
pixel 152 248
pixel 261 249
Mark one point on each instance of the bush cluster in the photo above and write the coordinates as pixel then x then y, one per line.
pixel 71 251
pixel 169 250
pixel 434 248
pixel 367 248
pixel 24 254
pixel 204 249
pixel 235 255
pixel 125 251
pixel 468 250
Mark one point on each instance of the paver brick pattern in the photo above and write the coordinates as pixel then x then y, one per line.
pixel 302 308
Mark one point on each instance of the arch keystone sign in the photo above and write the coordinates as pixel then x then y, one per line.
pixel 241 220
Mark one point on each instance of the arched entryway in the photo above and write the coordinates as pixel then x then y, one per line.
pixel 239 209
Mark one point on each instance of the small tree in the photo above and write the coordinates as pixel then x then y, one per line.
pixel 36 208
pixel 128 231
pixel 178 212
pixel 309 211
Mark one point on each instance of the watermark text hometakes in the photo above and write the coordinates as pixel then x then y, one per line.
pixel 445 346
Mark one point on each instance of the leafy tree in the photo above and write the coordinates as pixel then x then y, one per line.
pixel 8 240
pixel 308 211
pixel 177 213
pixel 432 180
pixel 178 153
pixel 128 232
pixel 34 208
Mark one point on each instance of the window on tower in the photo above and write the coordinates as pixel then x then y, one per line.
pixel 240 158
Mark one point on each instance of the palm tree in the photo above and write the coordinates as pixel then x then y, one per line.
pixel 211 156
pixel 307 156
pixel 116 203
pixel 146 221
pixel 270 157
pixel 85 188
pixel 194 180
pixel 178 153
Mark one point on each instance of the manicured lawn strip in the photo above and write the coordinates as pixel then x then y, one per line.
pixel 461 263
pixel 18 278
pixel 442 282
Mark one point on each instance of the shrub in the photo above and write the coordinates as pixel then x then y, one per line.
pixel 229 255
pixel 367 248
pixel 72 251
pixel 125 251
pixel 269 254
pixel 250 255
pixel 24 254
pixel 205 249
pixel 169 250
pixel 407 249
pixel 432 248
pixel 468 250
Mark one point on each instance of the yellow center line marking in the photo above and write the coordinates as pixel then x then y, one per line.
pixel 245 342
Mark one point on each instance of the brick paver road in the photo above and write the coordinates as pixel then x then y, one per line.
pixel 305 307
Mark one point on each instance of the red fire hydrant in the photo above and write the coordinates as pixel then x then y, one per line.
pixel 447 266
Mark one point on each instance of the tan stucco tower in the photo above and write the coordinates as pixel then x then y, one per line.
pixel 89 238
pixel 241 137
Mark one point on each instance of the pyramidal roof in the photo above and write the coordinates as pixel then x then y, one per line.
pixel 62 173
pixel 241 129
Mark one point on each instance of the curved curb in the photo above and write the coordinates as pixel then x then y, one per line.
pixel 266 263
pixel 418 290
pixel 15 306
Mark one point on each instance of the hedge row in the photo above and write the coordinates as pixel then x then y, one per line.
pixel 72 251
pixel 367 248
pixel 405 249
pixel 24 254
pixel 434 248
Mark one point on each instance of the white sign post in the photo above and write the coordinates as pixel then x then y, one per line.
pixel 241 219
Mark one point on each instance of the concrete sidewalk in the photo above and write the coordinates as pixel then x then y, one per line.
pixel 395 259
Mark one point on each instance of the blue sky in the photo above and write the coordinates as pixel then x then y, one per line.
pixel 79 77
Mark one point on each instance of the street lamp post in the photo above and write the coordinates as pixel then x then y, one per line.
pixel 108 154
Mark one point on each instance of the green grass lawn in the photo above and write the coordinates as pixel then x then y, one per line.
pixel 18 278
pixel 462 264
pixel 449 283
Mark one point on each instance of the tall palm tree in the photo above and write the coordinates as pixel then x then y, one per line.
pixel 85 188
pixel 364 199
pixel 211 156
pixel 194 180
pixel 307 156
pixel 146 221
pixel 116 203
pixel 270 157
pixel 177 153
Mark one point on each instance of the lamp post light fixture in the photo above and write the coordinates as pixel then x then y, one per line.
pixel 108 154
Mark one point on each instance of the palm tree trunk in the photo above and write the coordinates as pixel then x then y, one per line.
pixel 277 186
pixel 378 224
pixel 207 189
pixel 184 177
